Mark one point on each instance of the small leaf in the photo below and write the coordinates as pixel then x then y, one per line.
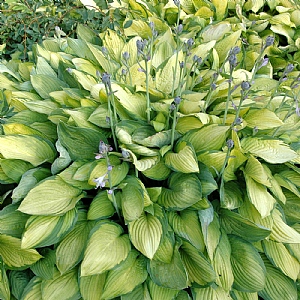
pixel 101 207
pixel 107 247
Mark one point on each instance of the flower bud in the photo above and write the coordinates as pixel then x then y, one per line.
pixel 230 143
pixel 126 55
pixel 269 41
pixel 245 85
pixel 106 78
pixel 177 100
pixel 236 50
pixel 190 42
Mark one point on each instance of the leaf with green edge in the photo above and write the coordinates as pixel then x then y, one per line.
pixel 221 8
pixel 230 195
pixel 259 196
pixel 65 284
pixel 52 196
pixel 15 168
pixel 12 221
pixel 158 172
pixel 278 286
pixel 287 184
pixel 291 208
pixel 214 32
pixel 206 216
pixel 271 150
pixel 15 257
pixel 81 143
pixel 161 52
pixel 158 292
pixel 4 283
pixel 165 250
pixel 208 137
pixel 120 281
pixel 171 275
pixel 107 247
pixel 238 295
pixel 262 119
pixel 80 115
pixel 281 258
pixel 45 84
pixel 234 223
pixel 248 268
pixel 184 191
pixel 45 267
pixel 198 267
pixel 18 281
pixel 184 161
pixel 210 292
pixel 42 231
pixel 145 234
pixel 207 180
pixel 33 289
pixel 166 75
pixel 99 116
pixel 91 287
pixel 70 250
pixel 62 161
pixel 32 149
pixel 256 171
pixel 101 207
pixel 42 67
pixel 221 263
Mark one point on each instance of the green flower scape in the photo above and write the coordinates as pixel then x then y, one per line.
pixel 156 158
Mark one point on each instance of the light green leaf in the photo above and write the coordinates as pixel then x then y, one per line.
pixel 32 149
pixel 41 231
pixel 171 275
pixel 71 248
pixel 165 250
pixel 272 151
pixel 262 119
pixel 91 287
pixel 33 289
pixel 230 195
pixel 139 292
pixel 107 247
pixel 52 196
pixel 184 161
pixel 197 265
pixel 101 207
pixel 214 32
pixel 158 292
pixel 18 281
pixel 145 234
pixel 4 283
pixel 248 268
pixel 184 191
pixel 238 295
pixel 158 172
pixel 65 284
pixel 207 180
pixel 121 281
pixel 211 292
pixel 12 254
pixel 278 286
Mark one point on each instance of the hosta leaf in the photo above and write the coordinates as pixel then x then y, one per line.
pixel 171 275
pixel 165 250
pixel 259 196
pixel 91 287
pixel 278 286
pixel 70 250
pixel 101 207
pixel 121 281
pixel 272 151
pixel 12 254
pixel 230 195
pixel 65 284
pixel 139 292
pixel 211 292
pixel 248 268
pixel 158 172
pixel 256 171
pixel 158 292
pixel 234 223
pixel 208 182
pixel 197 265
pixel 145 234
pixel 4 283
pixel 221 8
pixel 238 295
pixel 184 161
pixel 81 143
pixel 62 161
pixel 33 289
pixel 209 137
pixel 281 258
pixel 107 247
pixel 184 191
pixel 18 281
pixel 41 231
pixel 52 196
pixel 45 84
pixel 32 149
pixel 45 267
pixel 262 119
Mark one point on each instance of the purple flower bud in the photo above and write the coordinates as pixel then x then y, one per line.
pixel 236 50
pixel 152 25
pixel 230 143
pixel 107 119
pixel 178 29
pixel 177 2
pixel 140 45
pixel 213 86
pixel 288 69
pixel 181 64
pixel 125 154
pixel 106 78
pixel 126 55
pixel 269 41
pixel 195 58
pixel 245 85
pixel 172 107
pixel 232 60
pixel 297 109
pixel 109 168
pixel 264 62
pixel 141 70
pixel 238 121
pixel 104 50
pixel 110 192
pixel 190 42
pixel 124 72
pixel 177 100
pixel 69 70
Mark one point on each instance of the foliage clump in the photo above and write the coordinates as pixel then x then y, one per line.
pixel 156 160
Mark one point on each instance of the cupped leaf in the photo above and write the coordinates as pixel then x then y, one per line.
pixel 91 287
pixel 145 234
pixel 107 247
pixel 33 289
pixel 52 196
pixel 12 254
pixel 32 149
pixel 248 268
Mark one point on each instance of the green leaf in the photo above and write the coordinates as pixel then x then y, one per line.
pixel 209 137
pixel 248 268
pixel 81 143
pixel 145 234
pixel 107 247
pixel 45 267
pixel 262 119
pixel 51 197
pixel 236 224
pixel 12 254
pixel 101 207
pixel 158 172
pixel 256 171
pixel 139 292
pixel 91 287
pixel 33 289
pixel 277 286
pixel 230 195
pixel 184 161
pixel 158 292
pixel 71 248
pixel 4 283
pixel 165 250
pixel 238 295
pixel 18 281
pixel 211 292
pixel 121 281
pixel 272 151
pixel 65 284
pixel 32 149
pixel 171 275
pixel 197 265
pixel 184 191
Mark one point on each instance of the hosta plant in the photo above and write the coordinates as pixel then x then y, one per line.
pixel 160 161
